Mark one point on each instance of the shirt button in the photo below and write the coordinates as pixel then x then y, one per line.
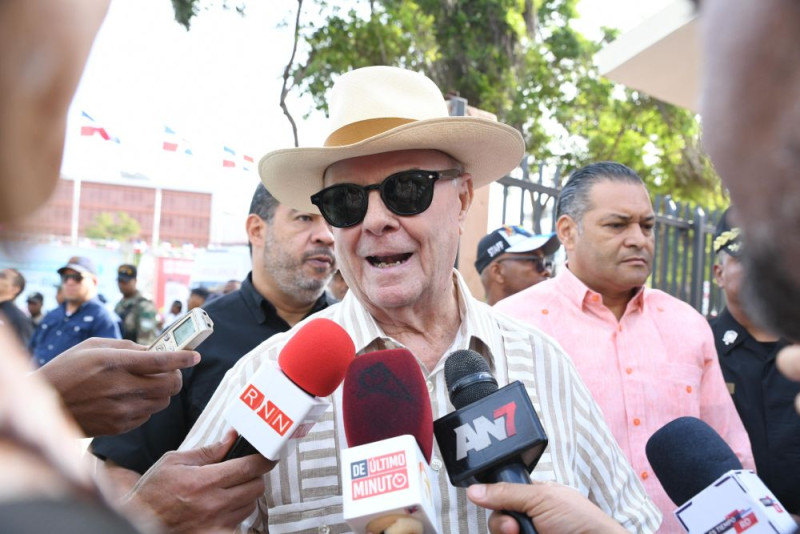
pixel 644 475
pixel 324 529
pixel 688 389
pixel 595 298
pixel 619 327
pixel 429 384
pixel 629 370
pixel 436 464
pixel 636 422
pixel 49 347
pixel 545 311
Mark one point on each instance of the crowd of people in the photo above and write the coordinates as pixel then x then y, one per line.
pixel 605 360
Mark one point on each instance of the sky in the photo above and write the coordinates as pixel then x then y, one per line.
pixel 217 85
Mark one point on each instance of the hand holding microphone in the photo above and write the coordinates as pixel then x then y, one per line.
pixel 282 403
pixel 494 435
pixel 387 484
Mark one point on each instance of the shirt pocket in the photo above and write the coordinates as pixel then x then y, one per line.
pixel 682 388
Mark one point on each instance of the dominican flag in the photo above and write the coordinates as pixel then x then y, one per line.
pixel 228 158
pixel 90 128
pixel 247 162
pixel 172 143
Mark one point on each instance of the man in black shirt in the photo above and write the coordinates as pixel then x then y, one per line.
pixel 292 256
pixel 763 397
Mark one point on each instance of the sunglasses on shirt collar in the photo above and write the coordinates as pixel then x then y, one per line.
pixel 404 193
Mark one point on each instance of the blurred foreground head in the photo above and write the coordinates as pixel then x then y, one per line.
pixel 44 45
pixel 750 104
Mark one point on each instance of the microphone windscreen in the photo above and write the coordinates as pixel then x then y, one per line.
pixel 317 356
pixel 385 396
pixel 687 456
pixel 468 378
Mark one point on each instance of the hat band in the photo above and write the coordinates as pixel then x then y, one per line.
pixel 358 131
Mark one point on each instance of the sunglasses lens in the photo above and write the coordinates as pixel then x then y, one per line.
pixel 72 276
pixel 408 193
pixel 342 205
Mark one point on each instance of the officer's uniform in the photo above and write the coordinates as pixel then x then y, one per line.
pixel 137 314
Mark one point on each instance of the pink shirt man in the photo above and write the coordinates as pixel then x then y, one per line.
pixel 657 363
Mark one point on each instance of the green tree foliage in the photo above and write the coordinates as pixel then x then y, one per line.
pixel 524 62
pixel 119 226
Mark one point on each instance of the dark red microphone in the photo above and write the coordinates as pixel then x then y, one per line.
pixel 388 423
pixel 283 402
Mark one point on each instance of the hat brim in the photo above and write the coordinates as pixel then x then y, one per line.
pixel 74 267
pixel 548 243
pixel 488 150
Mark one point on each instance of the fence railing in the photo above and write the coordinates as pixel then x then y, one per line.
pixel 684 259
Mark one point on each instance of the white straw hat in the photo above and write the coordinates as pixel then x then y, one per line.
pixel 384 109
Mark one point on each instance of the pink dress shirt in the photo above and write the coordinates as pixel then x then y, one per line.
pixel 657 363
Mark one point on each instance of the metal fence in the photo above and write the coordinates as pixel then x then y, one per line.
pixel 683 263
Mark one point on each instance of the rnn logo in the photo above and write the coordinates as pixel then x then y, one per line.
pixel 266 410
pixel 477 436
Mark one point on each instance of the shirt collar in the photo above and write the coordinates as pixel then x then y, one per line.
pixel 584 297
pixel 264 309
pixel 370 337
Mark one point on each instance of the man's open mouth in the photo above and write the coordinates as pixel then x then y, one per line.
pixel 382 262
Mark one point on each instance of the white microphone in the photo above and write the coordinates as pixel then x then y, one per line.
pixel 283 402
pixel 702 475
pixel 387 482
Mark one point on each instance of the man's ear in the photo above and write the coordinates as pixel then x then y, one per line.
pixel 496 271
pixel 719 275
pixel 465 195
pixel 256 229
pixel 566 230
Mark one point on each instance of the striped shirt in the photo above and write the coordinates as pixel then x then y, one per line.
pixel 657 363
pixel 304 489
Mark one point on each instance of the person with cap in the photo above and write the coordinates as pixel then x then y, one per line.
pixel 646 356
pixel 137 314
pixel 35 302
pixel 12 283
pixel 78 318
pixel 511 259
pixel 762 395
pixel 395 181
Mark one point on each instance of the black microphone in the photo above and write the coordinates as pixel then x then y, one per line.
pixel 703 476
pixel 494 435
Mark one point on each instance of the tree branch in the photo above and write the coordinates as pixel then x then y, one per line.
pixel 285 88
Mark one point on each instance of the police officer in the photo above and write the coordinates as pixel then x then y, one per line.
pixel 137 314
pixel 763 397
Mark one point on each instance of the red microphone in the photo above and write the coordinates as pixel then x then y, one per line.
pixel 283 402
pixel 388 423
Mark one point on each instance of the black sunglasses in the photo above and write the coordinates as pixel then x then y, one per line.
pixel 404 193
pixel 72 276
pixel 542 265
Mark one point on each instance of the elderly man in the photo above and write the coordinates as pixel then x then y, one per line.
pixel 78 318
pixel 511 259
pixel 395 181
pixel 647 357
